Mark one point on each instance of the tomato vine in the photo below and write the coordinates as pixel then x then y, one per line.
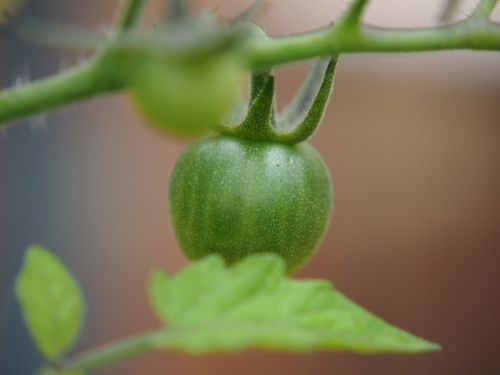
pixel 115 58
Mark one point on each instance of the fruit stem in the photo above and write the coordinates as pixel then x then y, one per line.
pixel 257 83
pixel 258 122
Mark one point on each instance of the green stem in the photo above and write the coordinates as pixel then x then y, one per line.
pixel 352 17
pixel 91 78
pixel 464 35
pixel 130 14
pixel 484 9
pixel 97 77
pixel 114 352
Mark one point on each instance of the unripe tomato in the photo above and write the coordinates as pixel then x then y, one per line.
pixel 186 97
pixel 234 197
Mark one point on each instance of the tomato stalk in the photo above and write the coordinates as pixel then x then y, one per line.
pixel 352 17
pixel 89 79
pixel 299 120
pixel 258 122
pixel 348 35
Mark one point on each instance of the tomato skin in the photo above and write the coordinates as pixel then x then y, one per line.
pixel 185 98
pixel 234 197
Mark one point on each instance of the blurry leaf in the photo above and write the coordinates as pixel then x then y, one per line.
pixel 51 302
pixel 253 305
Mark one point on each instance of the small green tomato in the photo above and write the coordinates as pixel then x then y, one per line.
pixel 186 97
pixel 234 197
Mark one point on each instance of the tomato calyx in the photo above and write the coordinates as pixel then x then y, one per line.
pixel 298 121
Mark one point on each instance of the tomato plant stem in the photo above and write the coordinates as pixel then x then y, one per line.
pixel 114 352
pixel 348 35
pixel 485 8
pixel 88 79
pixel 352 18
pixel 472 35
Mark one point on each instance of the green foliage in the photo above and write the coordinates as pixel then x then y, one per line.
pixel 51 302
pixel 209 308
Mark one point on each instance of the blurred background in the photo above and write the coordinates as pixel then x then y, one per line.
pixel 413 145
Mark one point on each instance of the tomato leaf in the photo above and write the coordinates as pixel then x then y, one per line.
pixel 51 302
pixel 211 308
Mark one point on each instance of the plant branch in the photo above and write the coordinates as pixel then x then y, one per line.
pixel 484 9
pixel 109 74
pixel 90 79
pixel 130 14
pixel 114 352
pixel 265 53
pixel 352 17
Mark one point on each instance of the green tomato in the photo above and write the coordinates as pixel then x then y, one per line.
pixel 185 98
pixel 234 197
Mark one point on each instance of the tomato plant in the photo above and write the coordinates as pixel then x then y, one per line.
pixel 255 196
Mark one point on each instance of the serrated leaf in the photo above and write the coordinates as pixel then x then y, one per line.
pixel 51 302
pixel 210 308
